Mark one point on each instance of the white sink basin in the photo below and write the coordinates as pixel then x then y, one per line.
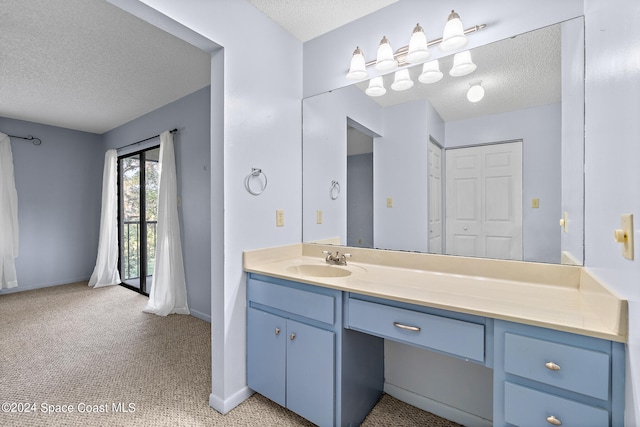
pixel 319 270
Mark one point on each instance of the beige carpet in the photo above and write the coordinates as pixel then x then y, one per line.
pixel 91 349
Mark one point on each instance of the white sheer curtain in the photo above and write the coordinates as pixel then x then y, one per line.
pixel 106 272
pixel 168 289
pixel 8 216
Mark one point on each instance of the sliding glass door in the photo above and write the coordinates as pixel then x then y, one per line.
pixel 138 180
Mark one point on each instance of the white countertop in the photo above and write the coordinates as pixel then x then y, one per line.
pixel 565 298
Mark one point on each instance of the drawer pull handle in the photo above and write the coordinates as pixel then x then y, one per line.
pixel 406 327
pixel 292 337
pixel 277 331
pixel 553 367
pixel 553 420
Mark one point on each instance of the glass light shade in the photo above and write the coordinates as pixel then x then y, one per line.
pixel 376 87
pixel 430 72
pixel 358 69
pixel 453 36
pixel 402 80
pixel 475 93
pixel 462 64
pixel 418 48
pixel 385 60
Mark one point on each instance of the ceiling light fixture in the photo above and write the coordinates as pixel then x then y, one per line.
pixel 475 92
pixel 416 52
pixel 376 87
pixel 430 72
pixel 402 80
pixel 453 36
pixel 462 64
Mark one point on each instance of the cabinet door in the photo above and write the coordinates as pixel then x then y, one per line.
pixel 311 372
pixel 266 354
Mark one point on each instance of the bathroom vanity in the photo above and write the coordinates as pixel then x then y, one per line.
pixel 553 335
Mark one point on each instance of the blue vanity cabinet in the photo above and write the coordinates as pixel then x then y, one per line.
pixel 548 377
pixel 299 355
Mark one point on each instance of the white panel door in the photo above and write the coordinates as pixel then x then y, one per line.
pixel 435 198
pixel 484 201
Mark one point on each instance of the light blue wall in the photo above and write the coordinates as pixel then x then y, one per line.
pixel 191 115
pixel 612 155
pixel 261 118
pixel 360 200
pixel 59 196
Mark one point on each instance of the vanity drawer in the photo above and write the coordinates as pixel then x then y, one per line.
pixel 527 407
pixel 457 337
pixel 577 369
pixel 303 303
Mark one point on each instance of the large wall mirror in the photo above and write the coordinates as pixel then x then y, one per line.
pixel 427 170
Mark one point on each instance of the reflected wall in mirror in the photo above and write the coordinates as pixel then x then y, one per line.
pixel 413 196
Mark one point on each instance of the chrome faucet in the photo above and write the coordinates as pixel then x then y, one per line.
pixel 336 258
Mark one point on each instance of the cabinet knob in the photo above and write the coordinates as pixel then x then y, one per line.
pixel 277 331
pixel 553 367
pixel 554 421
pixel 292 337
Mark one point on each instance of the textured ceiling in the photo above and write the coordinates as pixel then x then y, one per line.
pixel 307 19
pixel 516 73
pixel 88 65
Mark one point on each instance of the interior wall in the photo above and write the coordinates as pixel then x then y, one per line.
pixel 59 185
pixel 403 148
pixel 540 130
pixel 612 175
pixel 360 200
pixel 325 157
pixel 191 115
pixel 262 90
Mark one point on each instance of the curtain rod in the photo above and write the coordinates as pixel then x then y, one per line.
pixel 36 141
pixel 143 140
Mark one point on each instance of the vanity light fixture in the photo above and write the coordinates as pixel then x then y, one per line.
pixel 453 36
pixel 415 53
pixel 376 87
pixel 385 60
pixel 402 80
pixel 430 72
pixel 462 64
pixel 418 46
pixel 475 92
pixel 358 69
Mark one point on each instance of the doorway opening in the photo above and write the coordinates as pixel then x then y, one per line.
pixel 359 186
pixel 138 180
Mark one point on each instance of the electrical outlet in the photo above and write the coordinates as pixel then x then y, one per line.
pixel 318 216
pixel 279 218
pixel 389 202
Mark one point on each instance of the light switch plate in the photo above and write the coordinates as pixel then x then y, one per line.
pixel 627 228
pixel 389 202
pixel 318 216
pixel 535 203
pixel 279 218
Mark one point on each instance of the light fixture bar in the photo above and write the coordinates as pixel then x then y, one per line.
pixel 402 52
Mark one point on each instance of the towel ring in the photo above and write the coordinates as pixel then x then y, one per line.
pixel 334 191
pixel 255 173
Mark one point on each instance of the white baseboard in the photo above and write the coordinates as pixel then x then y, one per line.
pixel 200 315
pixel 225 405
pixel 437 408
pixel 21 288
